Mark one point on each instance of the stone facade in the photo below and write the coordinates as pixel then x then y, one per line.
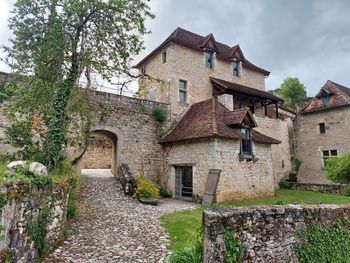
pixel 266 233
pixel 187 64
pixel 238 179
pixel 98 154
pixel 281 153
pixel 129 124
pixel 24 208
pixel 311 143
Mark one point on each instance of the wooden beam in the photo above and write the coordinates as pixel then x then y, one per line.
pixel 276 110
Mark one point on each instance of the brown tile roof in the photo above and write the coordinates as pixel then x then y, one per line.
pixel 197 42
pixel 237 88
pixel 212 119
pixel 237 117
pixel 339 96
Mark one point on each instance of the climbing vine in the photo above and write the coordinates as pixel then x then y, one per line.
pixel 324 244
pixel 37 231
pixel 233 247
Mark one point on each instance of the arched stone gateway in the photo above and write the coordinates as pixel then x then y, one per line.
pixel 115 139
pixel 129 127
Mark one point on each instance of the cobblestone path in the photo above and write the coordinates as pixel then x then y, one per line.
pixel 112 227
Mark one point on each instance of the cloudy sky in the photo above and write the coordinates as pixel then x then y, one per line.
pixel 305 39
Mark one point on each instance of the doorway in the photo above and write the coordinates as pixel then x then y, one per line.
pixel 184 182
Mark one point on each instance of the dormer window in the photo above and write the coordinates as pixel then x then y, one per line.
pixel 209 59
pixel 246 143
pixel 325 100
pixel 236 68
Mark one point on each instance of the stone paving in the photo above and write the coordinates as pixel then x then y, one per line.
pixel 112 227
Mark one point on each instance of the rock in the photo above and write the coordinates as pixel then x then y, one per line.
pixel 12 166
pixel 38 168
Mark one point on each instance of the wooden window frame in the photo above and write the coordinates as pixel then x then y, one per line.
pixel 326 154
pixel 209 62
pixel 183 90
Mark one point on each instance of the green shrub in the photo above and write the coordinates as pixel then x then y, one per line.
pixel 283 184
pixel 279 202
pixel 146 189
pixel 347 191
pixel 159 114
pixel 164 193
pixel 324 244
pixel 338 169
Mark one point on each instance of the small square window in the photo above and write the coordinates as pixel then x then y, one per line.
pixel 164 57
pixel 322 127
pixel 325 153
pixel 182 91
pixel 209 60
pixel 334 153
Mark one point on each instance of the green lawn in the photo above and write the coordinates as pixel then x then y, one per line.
pixel 183 226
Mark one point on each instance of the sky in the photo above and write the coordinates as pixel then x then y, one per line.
pixel 309 39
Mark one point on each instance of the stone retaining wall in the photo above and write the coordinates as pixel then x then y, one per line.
pixel 266 233
pixel 21 210
pixel 338 189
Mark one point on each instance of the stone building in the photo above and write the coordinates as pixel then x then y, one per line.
pixel 222 117
pixel 323 131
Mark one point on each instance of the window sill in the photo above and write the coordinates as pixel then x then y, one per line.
pixel 248 158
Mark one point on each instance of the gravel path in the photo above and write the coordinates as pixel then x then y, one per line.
pixel 112 227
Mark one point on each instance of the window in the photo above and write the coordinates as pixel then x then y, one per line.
pixel 328 154
pixel 322 127
pixel 164 57
pixel 246 147
pixel 236 68
pixel 325 100
pixel 182 91
pixel 209 59
pixel 183 182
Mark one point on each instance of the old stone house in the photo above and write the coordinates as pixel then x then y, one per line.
pixel 222 117
pixel 323 131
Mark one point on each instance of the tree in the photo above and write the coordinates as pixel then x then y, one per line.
pixel 293 92
pixel 55 42
pixel 338 169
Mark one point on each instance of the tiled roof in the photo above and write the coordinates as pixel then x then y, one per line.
pixel 212 119
pixel 237 88
pixel 194 41
pixel 338 96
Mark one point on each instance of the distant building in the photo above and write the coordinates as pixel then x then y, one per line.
pixel 323 131
pixel 222 117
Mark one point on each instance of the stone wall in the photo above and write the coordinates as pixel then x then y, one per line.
pixel 129 123
pixel 187 64
pixel 266 233
pixel 238 180
pixel 22 209
pixel 98 154
pixel 337 189
pixel 281 153
pixel 311 143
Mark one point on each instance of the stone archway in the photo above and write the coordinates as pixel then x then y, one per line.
pixel 114 137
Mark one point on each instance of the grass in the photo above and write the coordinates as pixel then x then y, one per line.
pixel 183 226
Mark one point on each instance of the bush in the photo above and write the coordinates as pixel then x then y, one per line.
pixel 297 163
pixel 279 202
pixel 164 193
pixel 338 169
pixel 159 114
pixel 324 244
pixel 283 184
pixel 146 189
pixel 347 191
